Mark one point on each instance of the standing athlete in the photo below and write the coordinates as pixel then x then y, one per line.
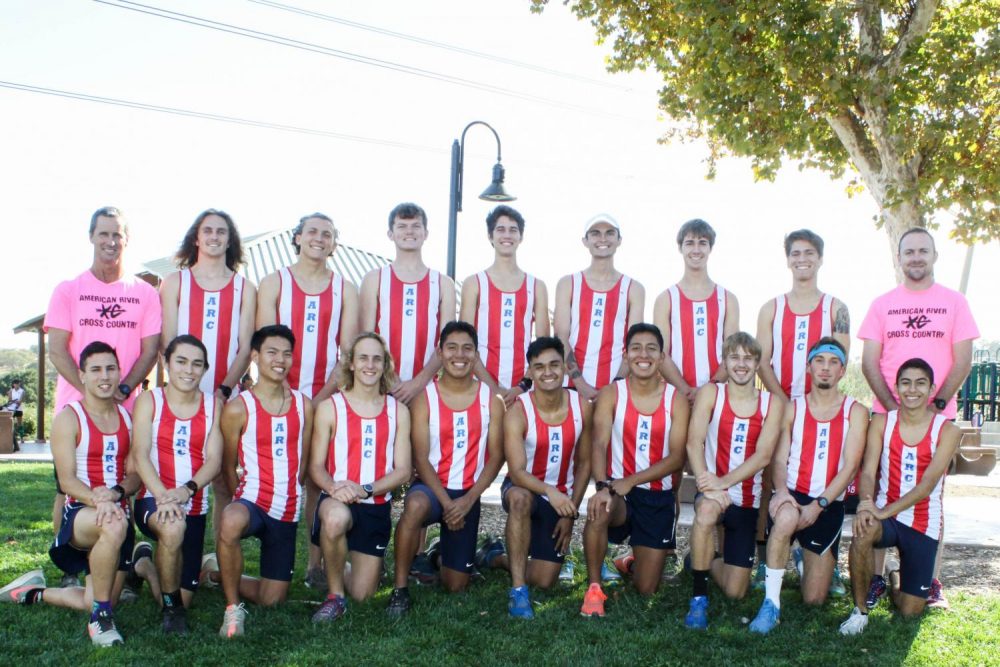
pixel 640 426
pixel 504 304
pixel 594 310
pixel 407 303
pixel 321 309
pixel 733 431
pixel 457 439
pixel 819 451
pixel 177 451
pixel 90 446
pixel 918 319
pixel 208 299
pixel 788 326
pixel 263 430
pixel 360 453
pixel 547 446
pixel 909 449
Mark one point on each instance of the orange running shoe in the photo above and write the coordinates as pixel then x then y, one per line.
pixel 624 564
pixel 593 602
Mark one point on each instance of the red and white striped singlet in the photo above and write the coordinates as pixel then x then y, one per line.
pixel 901 468
pixel 315 321
pixel 270 453
pixel 362 448
pixel 731 440
pixel 550 448
pixel 178 447
pixel 817 451
pixel 214 319
pixel 791 337
pixel 504 324
pixel 638 440
pixel 697 329
pixel 458 438
pixel 100 456
pixel 598 324
pixel 407 318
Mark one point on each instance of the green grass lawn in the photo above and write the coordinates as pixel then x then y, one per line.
pixel 471 628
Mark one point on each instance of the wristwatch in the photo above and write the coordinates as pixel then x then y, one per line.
pixel 823 503
pixel 369 490
pixel 226 391
pixel 125 389
pixel 940 403
pixel 192 486
pixel 120 490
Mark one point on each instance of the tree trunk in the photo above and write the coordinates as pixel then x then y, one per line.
pixel 896 221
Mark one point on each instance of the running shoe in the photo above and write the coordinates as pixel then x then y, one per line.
pixel 103 632
pixel 490 549
pixel 433 552
pixel 209 564
pixel 175 621
pixel 768 617
pixel 399 603
pixel 797 558
pixel 17 590
pixel 233 620
pixel 567 571
pixel 936 598
pixel 876 591
pixel 697 616
pixel 759 574
pixel 70 581
pixel 519 604
pixel 593 602
pixel 624 564
pixel 332 608
pixel 855 623
pixel 609 573
pixel 671 567
pixel 421 570
pixel 837 588
pixel 316 579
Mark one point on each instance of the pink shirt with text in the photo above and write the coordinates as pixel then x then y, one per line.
pixel 924 324
pixel 120 314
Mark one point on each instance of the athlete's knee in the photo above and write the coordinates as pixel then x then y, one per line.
pixel 786 521
pixel 706 515
pixel 455 583
pixel 234 521
pixel 271 598
pixel 335 519
pixel 416 508
pixel 114 531
pixel 172 534
pixel 646 587
pixel 735 588
pixel 814 598
pixel 519 500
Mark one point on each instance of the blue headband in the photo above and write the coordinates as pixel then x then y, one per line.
pixel 827 347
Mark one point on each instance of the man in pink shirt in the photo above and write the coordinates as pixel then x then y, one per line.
pixel 922 319
pixel 105 304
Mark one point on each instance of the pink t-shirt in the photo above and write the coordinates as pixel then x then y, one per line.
pixel 924 324
pixel 120 314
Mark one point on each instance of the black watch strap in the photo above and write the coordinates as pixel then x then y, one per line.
pixel 192 486
pixel 226 391
pixel 120 489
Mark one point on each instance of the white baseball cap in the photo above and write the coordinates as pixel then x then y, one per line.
pixel 601 217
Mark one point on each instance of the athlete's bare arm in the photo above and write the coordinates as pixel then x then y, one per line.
pixel 470 305
pixel 870 355
pixel 324 426
pixel 248 315
pixel 701 417
pixel 169 303
pixel 636 310
pixel 368 299
pixel 65 429
pixel 408 390
pixel 779 463
pixel 668 369
pixel 402 466
pixel 766 441
pixel 149 350
pixel 864 518
pixel 420 449
pixel 604 416
pixel 765 320
pixel 562 323
pixel 961 353
pixel 213 450
pixel 948 440
pixel 142 444
pixel 267 301
pixel 61 358
pixel 542 327
pixel 514 426
pixel 842 326
pixel 582 458
pixel 729 327
pixel 349 321
pixel 679 413
pixel 234 419
pixel 307 426
pixel 854 448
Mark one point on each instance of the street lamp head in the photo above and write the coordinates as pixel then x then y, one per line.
pixel 496 190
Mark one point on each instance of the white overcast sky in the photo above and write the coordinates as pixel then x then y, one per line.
pixel 574 144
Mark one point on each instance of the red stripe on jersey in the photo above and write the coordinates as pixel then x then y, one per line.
pixel 817 447
pixel 550 448
pixel 640 440
pixel 902 467
pixel 792 336
pixel 731 440
pixel 212 317
pixel 361 448
pixel 315 321
pixel 599 322
pixel 100 457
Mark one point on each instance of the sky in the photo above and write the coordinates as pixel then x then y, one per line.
pixel 377 112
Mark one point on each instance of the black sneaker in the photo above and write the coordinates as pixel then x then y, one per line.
pixel 876 591
pixel 175 621
pixel 422 571
pixel 132 578
pixel 490 549
pixel 399 603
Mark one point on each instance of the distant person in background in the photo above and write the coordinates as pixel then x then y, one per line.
pixel 15 397
pixel 918 319
pixel 102 303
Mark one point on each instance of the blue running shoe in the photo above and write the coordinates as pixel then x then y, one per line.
pixel 876 591
pixel 759 574
pixel 697 616
pixel 768 617
pixel 609 573
pixel 519 604
pixel 490 549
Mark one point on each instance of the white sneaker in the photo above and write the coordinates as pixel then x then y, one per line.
pixel 209 564
pixel 567 571
pixel 855 623
pixel 103 632
pixel 16 590
pixel 232 622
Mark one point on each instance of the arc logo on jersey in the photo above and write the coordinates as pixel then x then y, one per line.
pixel 110 452
pixel 909 467
pixel 279 433
pixel 642 429
pixel 507 312
pixel 555 446
pixel 181 438
pixel 211 310
pixel 368 439
pixel 700 318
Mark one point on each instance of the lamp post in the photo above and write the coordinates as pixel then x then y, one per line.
pixel 495 191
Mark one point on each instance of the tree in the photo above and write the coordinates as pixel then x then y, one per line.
pixel 905 92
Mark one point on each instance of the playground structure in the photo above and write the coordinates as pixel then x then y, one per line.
pixel 977 407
